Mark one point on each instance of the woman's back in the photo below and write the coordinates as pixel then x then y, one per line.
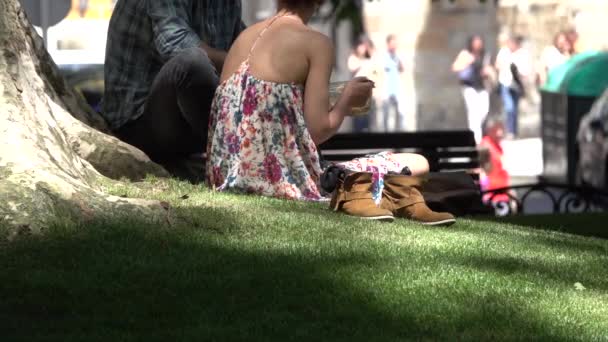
pixel 258 138
pixel 276 50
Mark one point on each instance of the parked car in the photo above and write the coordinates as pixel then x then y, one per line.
pixel 592 141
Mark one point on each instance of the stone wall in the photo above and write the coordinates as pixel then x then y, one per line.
pixel 590 21
pixel 539 20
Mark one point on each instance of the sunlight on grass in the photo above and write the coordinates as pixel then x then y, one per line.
pixel 237 267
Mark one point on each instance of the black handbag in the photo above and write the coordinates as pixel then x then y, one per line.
pixel 454 192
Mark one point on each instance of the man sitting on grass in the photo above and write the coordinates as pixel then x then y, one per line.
pixel 161 72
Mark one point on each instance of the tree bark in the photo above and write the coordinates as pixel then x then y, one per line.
pixel 54 153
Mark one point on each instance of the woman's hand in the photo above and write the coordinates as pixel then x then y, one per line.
pixel 357 92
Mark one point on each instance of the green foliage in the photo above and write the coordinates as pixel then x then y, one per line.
pixel 351 11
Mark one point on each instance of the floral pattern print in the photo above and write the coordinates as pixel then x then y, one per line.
pixel 259 143
pixel 258 140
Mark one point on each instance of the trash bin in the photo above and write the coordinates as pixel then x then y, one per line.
pixel 568 95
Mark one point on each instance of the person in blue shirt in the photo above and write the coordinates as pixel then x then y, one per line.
pixel 393 68
pixel 161 72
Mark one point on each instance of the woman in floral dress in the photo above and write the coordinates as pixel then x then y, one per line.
pixel 271 111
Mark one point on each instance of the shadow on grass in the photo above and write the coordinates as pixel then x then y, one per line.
pixel 108 282
pixel 131 281
pixel 592 225
pixel 565 275
pixel 541 235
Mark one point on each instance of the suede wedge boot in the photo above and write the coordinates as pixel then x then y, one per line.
pixel 353 196
pixel 402 197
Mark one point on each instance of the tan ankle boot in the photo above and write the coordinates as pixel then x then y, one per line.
pixel 402 197
pixel 353 197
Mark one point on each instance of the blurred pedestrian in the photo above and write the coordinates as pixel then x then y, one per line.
pixel 393 68
pixel 360 57
pixel 572 36
pixel 494 175
pixel 555 55
pixel 514 67
pixel 472 68
pixel 361 63
pixel 83 7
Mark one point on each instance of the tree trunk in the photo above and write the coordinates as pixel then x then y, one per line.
pixel 53 152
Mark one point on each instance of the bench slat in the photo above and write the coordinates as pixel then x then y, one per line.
pixel 458 165
pixel 422 140
pixel 472 154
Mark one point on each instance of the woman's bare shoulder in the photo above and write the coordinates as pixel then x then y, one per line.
pixel 250 33
pixel 316 43
pixel 464 53
pixel 316 38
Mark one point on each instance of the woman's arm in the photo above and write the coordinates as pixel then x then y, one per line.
pixel 463 60
pixel 400 67
pixel 322 122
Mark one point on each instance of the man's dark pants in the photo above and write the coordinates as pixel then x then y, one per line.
pixel 175 118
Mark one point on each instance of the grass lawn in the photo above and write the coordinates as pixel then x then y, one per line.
pixel 237 268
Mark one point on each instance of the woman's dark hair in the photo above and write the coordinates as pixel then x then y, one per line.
pixel 491 122
pixel 472 39
pixel 517 39
pixel 559 35
pixel 368 44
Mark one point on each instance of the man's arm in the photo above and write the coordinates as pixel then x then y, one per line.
pixel 173 31
pixel 216 56
pixel 240 27
pixel 390 60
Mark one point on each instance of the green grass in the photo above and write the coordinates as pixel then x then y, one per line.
pixel 237 268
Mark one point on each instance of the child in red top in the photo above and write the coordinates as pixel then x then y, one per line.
pixel 494 175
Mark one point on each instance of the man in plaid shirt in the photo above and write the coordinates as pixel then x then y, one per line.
pixel 163 58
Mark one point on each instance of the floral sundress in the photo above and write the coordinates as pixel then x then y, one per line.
pixel 259 142
pixel 258 139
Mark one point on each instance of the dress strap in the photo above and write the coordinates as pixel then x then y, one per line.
pixel 255 43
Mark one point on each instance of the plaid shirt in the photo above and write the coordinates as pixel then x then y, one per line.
pixel 144 34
